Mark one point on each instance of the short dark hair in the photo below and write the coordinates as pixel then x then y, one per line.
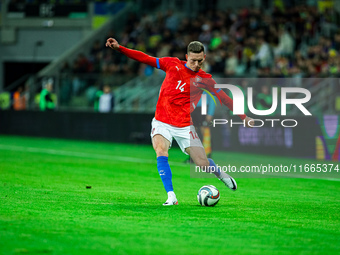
pixel 195 47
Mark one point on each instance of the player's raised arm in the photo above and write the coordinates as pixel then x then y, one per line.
pixel 133 54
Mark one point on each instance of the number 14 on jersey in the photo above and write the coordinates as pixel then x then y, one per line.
pixel 180 86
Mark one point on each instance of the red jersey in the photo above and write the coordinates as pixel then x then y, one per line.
pixel 181 89
pixel 179 95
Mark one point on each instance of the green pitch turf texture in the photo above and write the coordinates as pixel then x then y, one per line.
pixel 45 207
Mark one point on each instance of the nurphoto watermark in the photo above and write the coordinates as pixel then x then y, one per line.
pixel 239 105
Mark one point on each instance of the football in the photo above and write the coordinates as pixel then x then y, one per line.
pixel 208 195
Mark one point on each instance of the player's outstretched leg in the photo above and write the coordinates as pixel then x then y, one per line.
pixel 224 177
pixel 166 176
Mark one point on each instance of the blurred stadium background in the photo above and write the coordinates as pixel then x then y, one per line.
pixel 62 42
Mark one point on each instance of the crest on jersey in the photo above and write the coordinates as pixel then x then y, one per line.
pixel 197 80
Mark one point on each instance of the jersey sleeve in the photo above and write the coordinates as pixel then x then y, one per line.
pixel 160 63
pixel 138 56
pixel 166 62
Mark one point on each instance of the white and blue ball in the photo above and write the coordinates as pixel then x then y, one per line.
pixel 208 195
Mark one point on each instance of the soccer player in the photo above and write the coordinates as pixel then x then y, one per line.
pixel 46 102
pixel 177 99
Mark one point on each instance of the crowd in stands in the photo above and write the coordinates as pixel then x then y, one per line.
pixel 299 41
pixel 296 41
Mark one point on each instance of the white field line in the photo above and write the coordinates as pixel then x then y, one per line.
pixel 332 179
pixel 84 155
pixel 123 158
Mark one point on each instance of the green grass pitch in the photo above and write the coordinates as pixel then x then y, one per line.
pixel 45 207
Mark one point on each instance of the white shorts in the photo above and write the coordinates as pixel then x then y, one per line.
pixel 184 136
